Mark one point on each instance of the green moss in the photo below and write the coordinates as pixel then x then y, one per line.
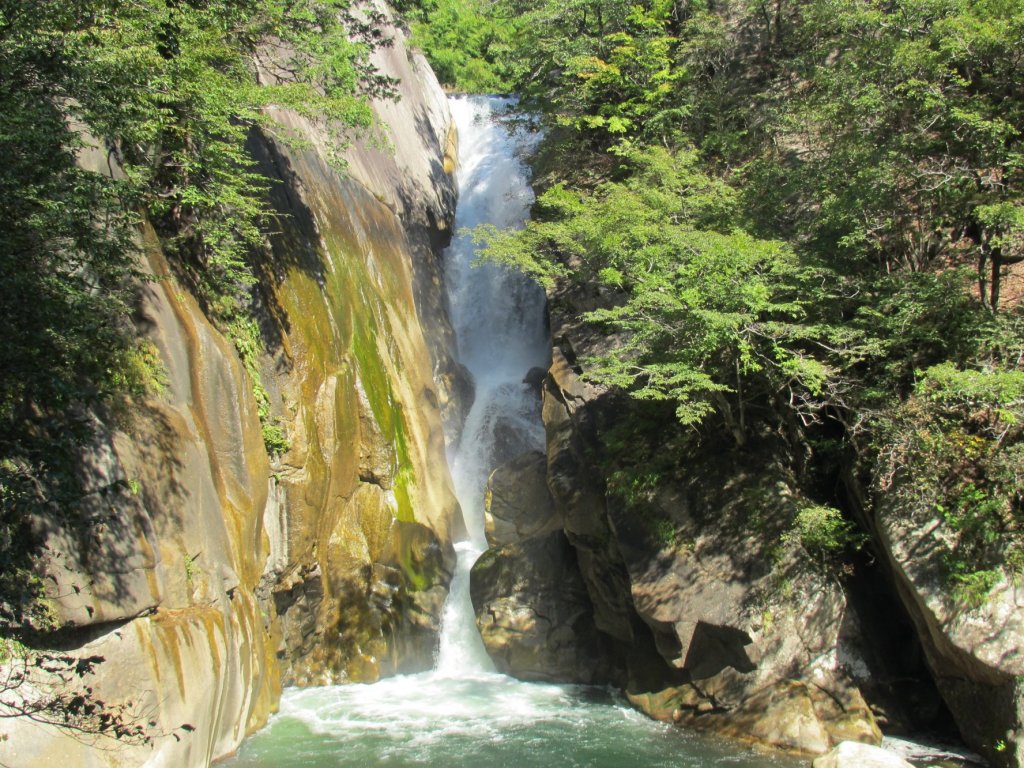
pixel 245 334
pixel 191 569
pixel 419 558
pixel 340 321
pixel 415 580
pixel 388 415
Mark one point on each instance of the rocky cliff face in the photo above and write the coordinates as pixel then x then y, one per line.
pixel 207 573
pixel 974 649
pixel 701 598
pixel 694 599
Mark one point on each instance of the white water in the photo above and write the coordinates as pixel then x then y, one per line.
pixel 498 318
pixel 463 714
pixel 498 315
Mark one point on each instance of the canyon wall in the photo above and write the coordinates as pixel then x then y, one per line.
pixel 687 581
pixel 286 515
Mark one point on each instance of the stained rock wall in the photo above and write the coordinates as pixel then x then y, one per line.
pixel 206 573
pixel 699 607
pixel 975 651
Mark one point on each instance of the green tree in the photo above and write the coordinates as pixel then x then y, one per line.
pixel 705 314
pixel 906 136
pixel 467 43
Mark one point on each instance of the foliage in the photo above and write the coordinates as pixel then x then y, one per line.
pixel 798 219
pixel 191 568
pixel 706 313
pixel 1000 393
pixel 955 449
pixel 467 48
pixel 164 95
pixel 52 688
pixel 920 105
pixel 823 532
pixel 625 86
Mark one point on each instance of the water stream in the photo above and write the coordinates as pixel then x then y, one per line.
pixel 463 713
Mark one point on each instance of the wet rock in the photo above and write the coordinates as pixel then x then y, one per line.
pixel 456 392
pixel 534 379
pixel 535 616
pixel 517 502
pixel 510 439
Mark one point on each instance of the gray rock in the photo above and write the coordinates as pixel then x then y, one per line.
pixel 535 616
pixel 850 754
pixel 517 502
pixel 744 626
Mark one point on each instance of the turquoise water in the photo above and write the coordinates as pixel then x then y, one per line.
pixel 484 720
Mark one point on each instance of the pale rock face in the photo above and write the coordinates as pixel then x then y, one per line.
pixel 209 573
pixel 852 755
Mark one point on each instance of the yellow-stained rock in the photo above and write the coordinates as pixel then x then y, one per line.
pixel 206 573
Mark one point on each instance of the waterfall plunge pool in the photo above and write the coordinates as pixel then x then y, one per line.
pixel 485 720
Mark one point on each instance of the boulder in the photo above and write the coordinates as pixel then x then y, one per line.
pixel 535 616
pixel 849 754
pixel 517 503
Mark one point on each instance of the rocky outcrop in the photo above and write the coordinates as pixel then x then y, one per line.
pixel 975 651
pixel 709 604
pixel 535 616
pixel 206 573
pixel 739 605
pixel 579 496
pixel 532 606
pixel 745 621
pixel 517 503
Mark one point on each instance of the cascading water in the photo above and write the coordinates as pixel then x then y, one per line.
pixel 498 318
pixel 462 713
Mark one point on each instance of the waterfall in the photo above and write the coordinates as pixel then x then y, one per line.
pixel 498 317
pixel 463 714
